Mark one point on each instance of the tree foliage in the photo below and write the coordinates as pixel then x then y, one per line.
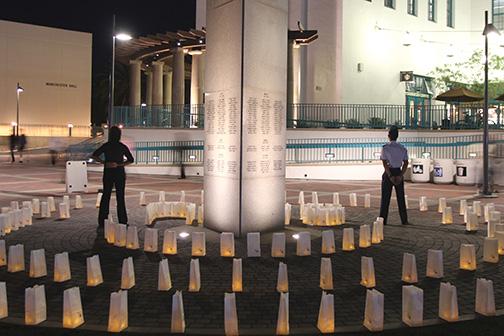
pixel 469 73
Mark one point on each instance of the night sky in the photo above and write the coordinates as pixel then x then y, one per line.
pixel 136 17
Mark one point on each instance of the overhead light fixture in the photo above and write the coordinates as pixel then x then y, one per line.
pixel 123 37
pixel 13 123
pixel 295 236
pixel 192 157
pixel 143 105
pixel 178 43
pixel 120 126
pixel 183 235
pixel 426 155
pixel 19 89
pixel 490 30
pixel 195 52
pixel 70 125
pixel 155 158
pixel 473 155
pixel 330 155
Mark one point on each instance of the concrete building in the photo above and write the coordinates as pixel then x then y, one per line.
pixel 53 66
pixel 364 44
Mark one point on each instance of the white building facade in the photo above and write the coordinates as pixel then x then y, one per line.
pixel 363 45
pixel 53 66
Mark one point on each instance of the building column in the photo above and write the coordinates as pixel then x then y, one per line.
pixel 167 86
pixel 178 88
pixel 293 83
pixel 135 83
pixel 197 77
pixel 157 83
pixel 148 91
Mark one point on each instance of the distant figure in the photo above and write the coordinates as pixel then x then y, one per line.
pixel 12 146
pixel 113 174
pixel 21 146
pixel 395 161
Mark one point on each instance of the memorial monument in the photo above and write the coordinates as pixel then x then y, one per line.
pixel 245 115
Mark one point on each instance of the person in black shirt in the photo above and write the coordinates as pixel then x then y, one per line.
pixel 113 174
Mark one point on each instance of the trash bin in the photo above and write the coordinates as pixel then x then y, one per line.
pixel 443 171
pixel 420 170
pixel 466 171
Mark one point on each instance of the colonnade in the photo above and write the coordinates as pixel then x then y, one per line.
pixel 165 83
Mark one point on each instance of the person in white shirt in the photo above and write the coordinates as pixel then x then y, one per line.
pixel 395 162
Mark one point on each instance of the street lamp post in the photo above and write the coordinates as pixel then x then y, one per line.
pixel 489 30
pixel 120 37
pixel 19 89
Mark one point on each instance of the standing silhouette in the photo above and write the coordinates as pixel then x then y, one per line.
pixel 114 174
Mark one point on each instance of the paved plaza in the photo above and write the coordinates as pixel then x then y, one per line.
pixel 257 305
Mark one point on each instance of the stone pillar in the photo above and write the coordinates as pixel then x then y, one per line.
pixel 293 83
pixel 178 88
pixel 167 94
pixel 246 93
pixel 197 77
pixel 157 83
pixel 135 83
pixel 148 91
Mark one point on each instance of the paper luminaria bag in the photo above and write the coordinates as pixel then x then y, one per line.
pixel 198 244
pixel 288 213
pixel 36 206
pixel 164 277
pixel 423 203
pixel 151 240
pixel 73 315
pixel 326 275
pixel 373 312
pixel 142 201
pixel 62 211
pixel 412 306
pixel 447 216
pixel 485 299
pixel 500 241
pixel 62 267
pixel 325 321
pixel 367 201
pixel 16 259
pixel 278 245
pixel 253 245
pixel 468 257
pixel 38 267
pixel 78 202
pixel 348 239
pixel 490 250
pixel 448 305
pixel 237 282
pixel 51 204
pixel 35 305
pixel 353 199
pixel 435 267
pixel 409 269
pixel 328 244
pixel 194 276
pixel 367 272
pixel 462 207
pixel 4 308
pixel 314 196
pixel 230 315
pixel 94 273
pixel 3 253
pixel 169 242
pixel 227 246
pixel 364 236
pixel 442 204
pixel 283 315
pixel 282 279
pixel 118 311
pixel 177 316
pixel 120 235
pixel 128 274
pixel 132 238
pixel 303 245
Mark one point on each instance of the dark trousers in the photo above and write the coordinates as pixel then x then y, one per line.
pixel 113 177
pixel 386 193
pixel 12 155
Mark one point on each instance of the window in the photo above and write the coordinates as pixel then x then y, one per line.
pixel 412 7
pixel 390 3
pixel 431 10
pixel 498 14
pixel 449 13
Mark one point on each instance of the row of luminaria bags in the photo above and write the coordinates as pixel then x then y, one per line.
pixel 120 235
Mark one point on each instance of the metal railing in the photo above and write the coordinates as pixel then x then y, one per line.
pixel 324 151
pixel 162 116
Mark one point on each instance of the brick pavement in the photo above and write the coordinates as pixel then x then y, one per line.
pixel 150 310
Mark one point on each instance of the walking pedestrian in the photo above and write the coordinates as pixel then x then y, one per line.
pixel 394 157
pixel 21 146
pixel 12 146
pixel 117 156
